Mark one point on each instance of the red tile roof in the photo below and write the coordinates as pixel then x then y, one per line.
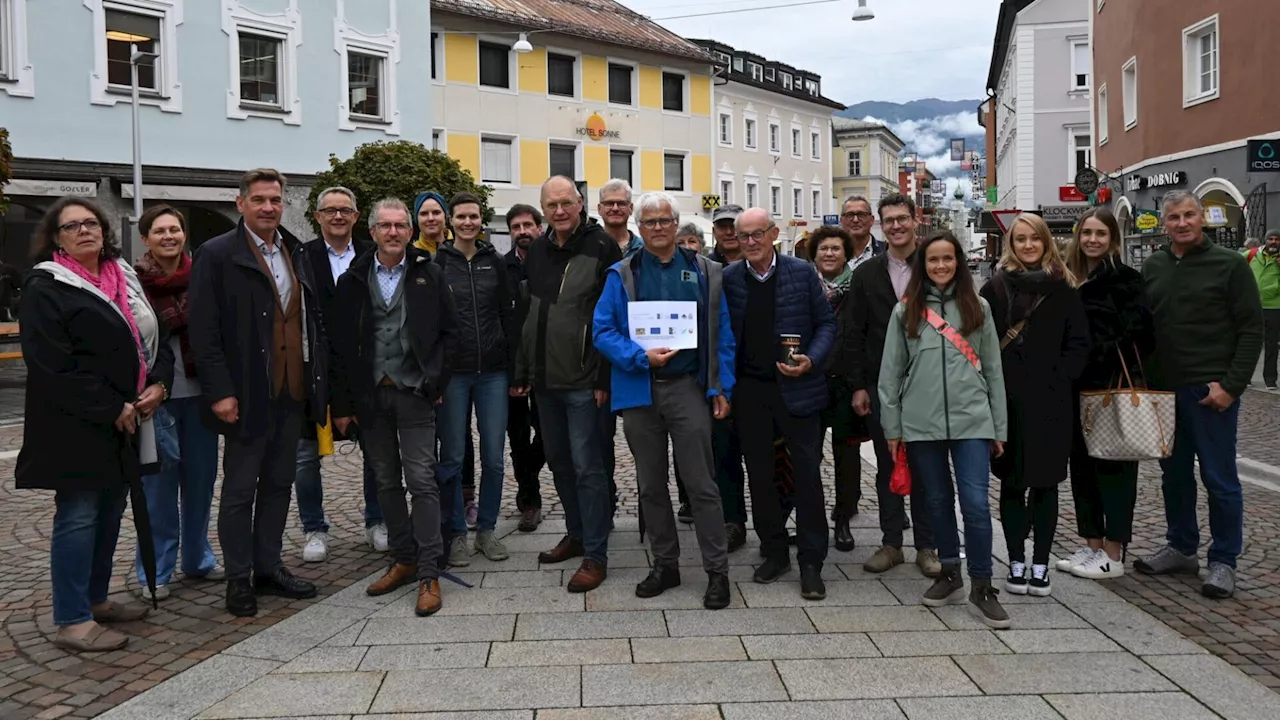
pixel 600 20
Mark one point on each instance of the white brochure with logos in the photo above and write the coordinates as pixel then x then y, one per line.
pixel 664 324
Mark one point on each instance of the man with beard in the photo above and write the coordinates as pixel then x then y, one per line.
pixel 524 223
pixel 857 218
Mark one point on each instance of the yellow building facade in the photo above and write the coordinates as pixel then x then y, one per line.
pixel 572 106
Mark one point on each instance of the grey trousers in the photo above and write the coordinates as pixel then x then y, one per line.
pixel 401 438
pixel 679 410
pixel 257 485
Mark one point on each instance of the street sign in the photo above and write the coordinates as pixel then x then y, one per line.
pixel 1063 213
pixel 830 219
pixel 1147 222
pixel 1070 193
pixel 710 202
pixel 993 195
pixel 1086 181
pixel 1264 156
pixel 1005 218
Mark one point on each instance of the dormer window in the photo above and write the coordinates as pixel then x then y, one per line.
pixel 769 74
pixel 722 58
pixel 786 80
pixel 737 64
pixel 757 72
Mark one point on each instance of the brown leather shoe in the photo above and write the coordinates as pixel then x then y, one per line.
pixel 568 547
pixel 589 576
pixel 429 601
pixel 397 576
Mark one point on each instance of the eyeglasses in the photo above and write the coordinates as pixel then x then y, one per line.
pixel 560 205
pixel 656 223
pixel 614 204
pixel 389 226
pixel 330 212
pixel 830 249
pixel 902 220
pixel 859 215
pixel 757 236
pixel 75 225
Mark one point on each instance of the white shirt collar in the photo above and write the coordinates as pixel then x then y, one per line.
pixel 773 263
pixel 262 244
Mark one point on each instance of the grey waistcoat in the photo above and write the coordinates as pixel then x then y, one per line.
pixel 392 352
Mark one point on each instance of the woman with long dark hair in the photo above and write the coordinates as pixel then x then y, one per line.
pixel 97 365
pixel 942 394
pixel 1044 342
pixel 180 497
pixel 1121 337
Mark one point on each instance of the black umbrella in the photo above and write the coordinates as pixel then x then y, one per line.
pixel 141 517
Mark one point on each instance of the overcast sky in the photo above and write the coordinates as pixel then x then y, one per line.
pixel 912 49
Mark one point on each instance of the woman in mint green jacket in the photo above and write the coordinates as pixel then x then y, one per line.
pixel 942 393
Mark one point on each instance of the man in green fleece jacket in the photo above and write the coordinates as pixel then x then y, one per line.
pixel 1265 263
pixel 1208 322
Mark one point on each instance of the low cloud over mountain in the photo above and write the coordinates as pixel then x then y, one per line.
pixel 927 127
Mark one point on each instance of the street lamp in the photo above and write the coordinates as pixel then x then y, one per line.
pixel 522 45
pixel 135 57
pixel 863 12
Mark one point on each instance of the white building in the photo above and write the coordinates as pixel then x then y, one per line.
pixel 772 139
pixel 1041 76
pixel 866 163
pixel 235 84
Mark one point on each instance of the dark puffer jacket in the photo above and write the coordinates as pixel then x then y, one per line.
pixel 1119 322
pixel 482 295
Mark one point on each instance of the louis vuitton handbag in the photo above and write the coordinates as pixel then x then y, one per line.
pixel 1128 423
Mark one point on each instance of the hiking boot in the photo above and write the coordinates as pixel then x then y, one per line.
pixel 1038 583
pixel 844 536
pixel 429 601
pixel 948 589
pixel 1167 561
pixel 736 535
pixel 459 555
pixel 1220 583
pixel 884 558
pixel 811 585
pixel 717 595
pixel 983 598
pixel 927 561
pixel 772 569
pixel 397 576
pixel 530 519
pixel 1016 583
pixel 661 578
pixel 490 546
pixel 568 547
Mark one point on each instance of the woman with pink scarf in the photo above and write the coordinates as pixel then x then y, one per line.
pixel 97 367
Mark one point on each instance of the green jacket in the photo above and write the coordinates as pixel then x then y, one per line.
pixel 930 391
pixel 1266 270
pixel 1208 317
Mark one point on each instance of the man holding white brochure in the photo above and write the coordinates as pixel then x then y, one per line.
pixel 663 324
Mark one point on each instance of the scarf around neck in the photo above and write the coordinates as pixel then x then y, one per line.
pixel 836 289
pixel 110 281
pixel 168 296
pixel 1025 286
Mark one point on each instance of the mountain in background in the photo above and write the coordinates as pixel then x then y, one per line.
pixel 927 127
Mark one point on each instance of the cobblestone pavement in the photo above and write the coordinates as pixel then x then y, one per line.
pixel 519 643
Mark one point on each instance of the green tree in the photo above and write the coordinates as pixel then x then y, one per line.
pixel 6 167
pixel 399 169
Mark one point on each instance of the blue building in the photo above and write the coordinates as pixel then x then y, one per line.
pixel 235 84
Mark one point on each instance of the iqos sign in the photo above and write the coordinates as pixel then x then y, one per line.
pixel 1264 156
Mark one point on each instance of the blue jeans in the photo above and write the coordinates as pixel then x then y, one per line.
pixel 487 392
pixel 1210 436
pixel 972 460
pixel 311 493
pixel 570 423
pixel 86 525
pixel 180 498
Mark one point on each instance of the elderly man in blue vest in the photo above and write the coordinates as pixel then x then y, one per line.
pixel 785 329
pixel 663 392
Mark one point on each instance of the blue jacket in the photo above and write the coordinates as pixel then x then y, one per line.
pixel 630 371
pixel 802 309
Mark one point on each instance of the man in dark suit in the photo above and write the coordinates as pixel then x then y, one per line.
pixel 262 357
pixel 329 257
pixel 876 287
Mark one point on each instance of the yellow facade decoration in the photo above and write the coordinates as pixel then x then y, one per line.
pixel 650 87
pixel 461 59
pixel 595 79
pixel 595 166
pixel 466 150
pixel 700 94
pixel 701 173
pixel 651 170
pixel 535 162
pixel 533 71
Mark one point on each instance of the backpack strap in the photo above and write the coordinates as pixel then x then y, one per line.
pixel 953 336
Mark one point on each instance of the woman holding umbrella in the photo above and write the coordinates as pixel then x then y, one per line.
pixel 97 366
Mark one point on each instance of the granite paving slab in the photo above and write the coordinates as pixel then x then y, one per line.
pixel 688 623
pixel 687 649
pixel 688 596
pixel 873 678
pixel 1044 615
pixel 493 601
pixel 802 647
pixel 634 712
pixel 1061 673
pixel 427 656
pixel 477 689
pixel 839 592
pixel 680 683
pixel 1057 641
pixel 523 579
pixel 419 631
pixel 937 642
pixel 1135 630
pixel 986 708
pixel 541 653
pixel 1130 706
pixel 185 695
pixel 303 694
pixel 1224 689
pixel 872 619
pixel 588 626
pixel 290 638
pixel 814 710
pixel 325 659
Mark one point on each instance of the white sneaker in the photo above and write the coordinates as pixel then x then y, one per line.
pixel 377 537
pixel 317 549
pixel 1078 557
pixel 1099 567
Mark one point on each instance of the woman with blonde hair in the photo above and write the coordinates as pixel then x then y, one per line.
pixel 1121 337
pixel 1044 342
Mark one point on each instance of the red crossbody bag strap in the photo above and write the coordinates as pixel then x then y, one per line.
pixel 953 336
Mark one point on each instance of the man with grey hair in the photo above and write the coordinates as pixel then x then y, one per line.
pixel 394 325
pixel 664 393
pixel 1208 327
pixel 336 214
pixel 1265 264
pixel 565 270
pixel 857 218
pixel 615 209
